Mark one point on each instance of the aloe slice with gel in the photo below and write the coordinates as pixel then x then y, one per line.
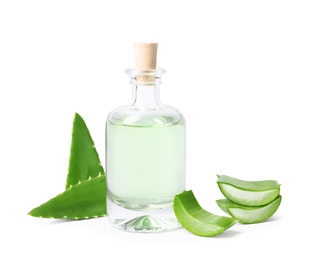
pixel 197 220
pixel 248 193
pixel 249 215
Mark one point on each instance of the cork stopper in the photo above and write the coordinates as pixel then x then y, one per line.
pixel 145 59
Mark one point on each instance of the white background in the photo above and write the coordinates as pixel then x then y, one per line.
pixel 239 71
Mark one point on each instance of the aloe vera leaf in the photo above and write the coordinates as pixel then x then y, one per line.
pixel 84 161
pixel 248 193
pixel 84 200
pixel 197 220
pixel 249 215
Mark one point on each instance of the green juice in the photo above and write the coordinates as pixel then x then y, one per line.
pixel 145 164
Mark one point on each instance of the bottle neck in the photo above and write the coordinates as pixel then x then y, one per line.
pixel 146 96
pixel 145 85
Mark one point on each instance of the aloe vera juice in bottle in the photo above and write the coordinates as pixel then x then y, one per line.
pixel 145 157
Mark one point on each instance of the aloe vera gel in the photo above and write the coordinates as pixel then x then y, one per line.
pixel 145 153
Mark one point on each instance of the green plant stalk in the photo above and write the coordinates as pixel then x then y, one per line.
pixel 82 201
pixel 197 220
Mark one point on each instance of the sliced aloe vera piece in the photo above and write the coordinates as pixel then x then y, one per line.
pixel 249 215
pixel 197 220
pixel 248 193
pixel 84 161
pixel 82 201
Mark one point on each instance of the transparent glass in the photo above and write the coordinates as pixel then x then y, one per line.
pixel 145 159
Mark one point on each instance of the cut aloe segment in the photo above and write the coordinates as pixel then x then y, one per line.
pixel 249 215
pixel 197 220
pixel 82 201
pixel 248 193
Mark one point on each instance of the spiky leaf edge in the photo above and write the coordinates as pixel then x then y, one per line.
pixel 81 138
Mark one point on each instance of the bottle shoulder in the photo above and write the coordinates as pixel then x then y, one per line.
pixel 162 115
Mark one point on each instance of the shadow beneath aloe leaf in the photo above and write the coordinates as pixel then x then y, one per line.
pixel 227 234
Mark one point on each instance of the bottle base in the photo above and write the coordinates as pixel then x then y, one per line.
pixel 146 221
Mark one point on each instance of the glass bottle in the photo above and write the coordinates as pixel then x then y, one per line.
pixel 145 157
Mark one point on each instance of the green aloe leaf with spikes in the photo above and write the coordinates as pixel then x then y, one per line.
pixel 85 194
pixel 84 163
pixel 82 201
